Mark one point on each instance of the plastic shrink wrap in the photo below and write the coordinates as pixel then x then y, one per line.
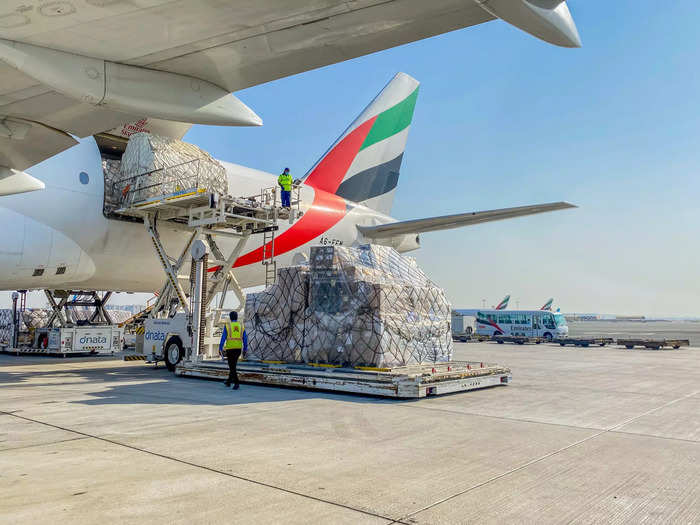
pixel 365 306
pixel 154 165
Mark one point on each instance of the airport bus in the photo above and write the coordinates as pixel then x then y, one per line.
pixel 530 323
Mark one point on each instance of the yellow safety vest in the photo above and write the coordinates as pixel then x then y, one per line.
pixel 234 336
pixel 285 181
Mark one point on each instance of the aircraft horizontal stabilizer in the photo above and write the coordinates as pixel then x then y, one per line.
pixel 447 222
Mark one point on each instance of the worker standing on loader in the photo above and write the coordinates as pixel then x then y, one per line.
pixel 285 181
pixel 233 341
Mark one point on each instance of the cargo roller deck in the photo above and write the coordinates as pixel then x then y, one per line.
pixel 407 382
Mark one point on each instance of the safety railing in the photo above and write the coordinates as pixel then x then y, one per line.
pixel 272 197
pixel 169 180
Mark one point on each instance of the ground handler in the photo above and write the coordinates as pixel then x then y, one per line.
pixel 234 340
pixel 285 182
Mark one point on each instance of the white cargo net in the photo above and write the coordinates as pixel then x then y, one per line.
pixel 364 306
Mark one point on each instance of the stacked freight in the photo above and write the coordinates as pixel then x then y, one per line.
pixel 365 306
pixel 112 175
pixel 5 327
pixel 153 165
pixel 35 318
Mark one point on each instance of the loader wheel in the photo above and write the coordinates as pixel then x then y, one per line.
pixel 173 353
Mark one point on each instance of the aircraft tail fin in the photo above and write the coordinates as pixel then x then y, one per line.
pixel 548 305
pixel 504 303
pixel 363 164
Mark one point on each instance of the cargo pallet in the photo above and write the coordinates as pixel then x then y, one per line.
pixel 409 382
pixel 46 351
pixel 584 341
pixel 518 339
pixel 656 344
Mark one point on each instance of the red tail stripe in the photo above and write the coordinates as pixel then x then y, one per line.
pixel 327 208
pixel 325 212
pixel 330 171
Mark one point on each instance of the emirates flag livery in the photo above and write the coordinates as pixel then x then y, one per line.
pixel 361 166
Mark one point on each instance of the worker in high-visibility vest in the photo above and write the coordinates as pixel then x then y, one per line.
pixel 285 182
pixel 234 340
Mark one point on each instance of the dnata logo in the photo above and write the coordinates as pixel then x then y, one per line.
pixel 86 340
pixel 155 336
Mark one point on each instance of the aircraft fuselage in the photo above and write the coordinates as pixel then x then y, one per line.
pixel 59 238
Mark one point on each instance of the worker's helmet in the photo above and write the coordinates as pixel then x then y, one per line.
pixel 286 170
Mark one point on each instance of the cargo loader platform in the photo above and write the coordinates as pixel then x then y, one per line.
pixel 408 382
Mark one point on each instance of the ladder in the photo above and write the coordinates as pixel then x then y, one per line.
pixel 268 257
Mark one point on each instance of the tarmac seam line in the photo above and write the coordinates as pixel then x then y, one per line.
pixel 390 521
pixel 43 444
pixel 546 456
pixel 502 418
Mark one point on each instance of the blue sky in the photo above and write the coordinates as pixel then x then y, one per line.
pixel 503 120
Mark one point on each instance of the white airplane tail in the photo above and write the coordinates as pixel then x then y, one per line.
pixel 503 304
pixel 363 164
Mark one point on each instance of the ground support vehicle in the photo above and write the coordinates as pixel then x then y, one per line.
pixel 656 344
pixel 181 326
pixel 584 341
pixel 403 382
pixel 521 323
pixel 518 339
pixel 76 340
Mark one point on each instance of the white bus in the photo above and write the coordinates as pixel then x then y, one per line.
pixel 529 323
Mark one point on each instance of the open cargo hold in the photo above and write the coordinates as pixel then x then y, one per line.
pixel 364 306
pixel 152 165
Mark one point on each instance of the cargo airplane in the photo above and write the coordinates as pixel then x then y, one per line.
pixel 77 78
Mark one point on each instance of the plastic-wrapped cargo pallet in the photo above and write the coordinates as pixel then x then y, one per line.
pixel 5 327
pixel 35 318
pixel 171 165
pixel 112 176
pixel 364 306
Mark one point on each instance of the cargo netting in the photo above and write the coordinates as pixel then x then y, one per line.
pixel 152 166
pixel 364 306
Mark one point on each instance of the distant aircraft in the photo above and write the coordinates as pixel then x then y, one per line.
pixel 548 305
pixel 503 304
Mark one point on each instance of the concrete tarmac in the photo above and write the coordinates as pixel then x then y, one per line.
pixel 595 435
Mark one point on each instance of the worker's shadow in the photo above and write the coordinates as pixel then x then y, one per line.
pixel 166 388
pixel 109 383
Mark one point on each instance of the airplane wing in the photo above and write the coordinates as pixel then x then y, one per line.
pixel 83 67
pixel 446 222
